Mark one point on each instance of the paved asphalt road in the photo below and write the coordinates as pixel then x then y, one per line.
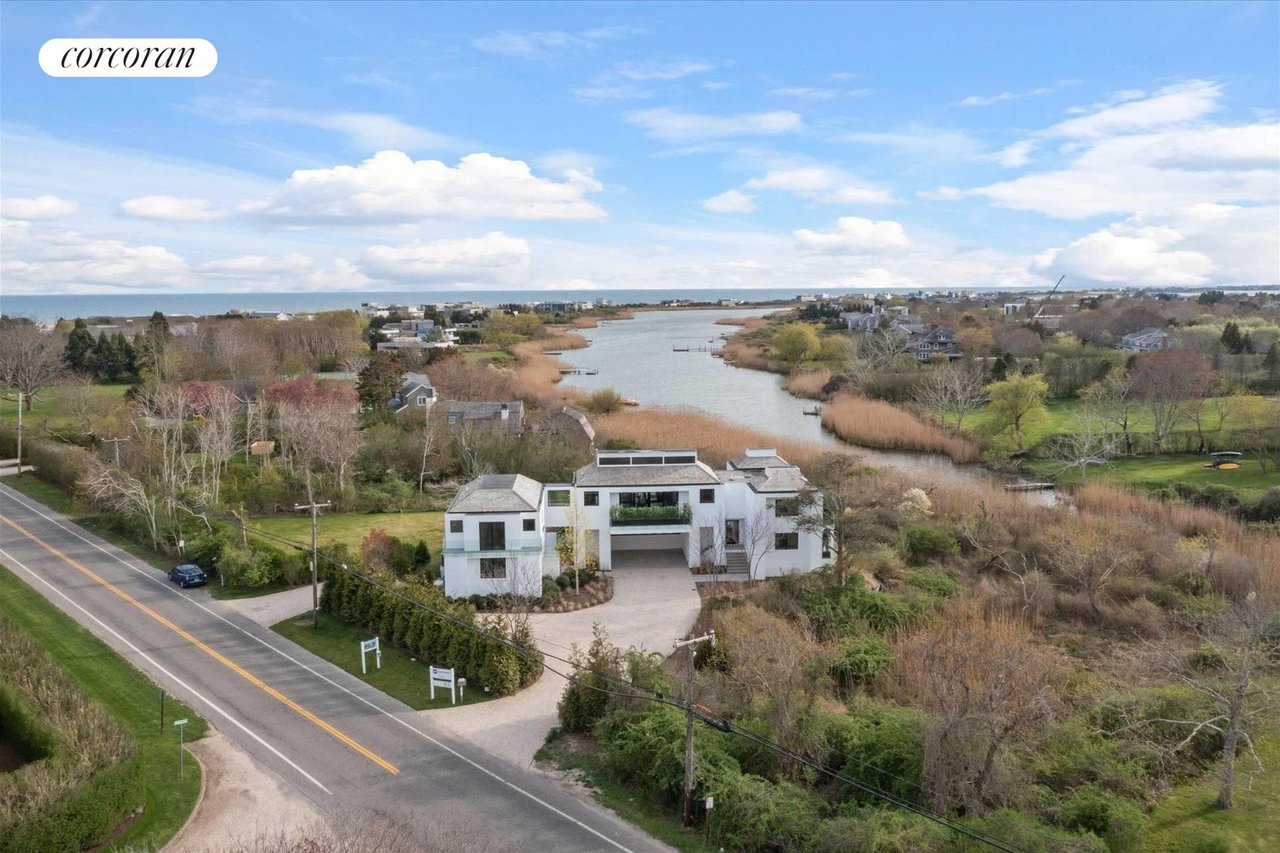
pixel 339 742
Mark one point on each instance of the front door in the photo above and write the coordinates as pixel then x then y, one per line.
pixel 732 531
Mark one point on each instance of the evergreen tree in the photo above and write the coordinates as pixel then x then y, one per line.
pixel 1230 339
pixel 1271 363
pixel 1246 344
pixel 379 380
pixel 105 359
pixel 127 354
pixel 78 355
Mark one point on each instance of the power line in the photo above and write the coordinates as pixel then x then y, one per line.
pixel 634 691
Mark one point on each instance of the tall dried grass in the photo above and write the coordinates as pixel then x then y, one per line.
pixel 716 440
pixel 537 374
pixel 808 383
pixel 874 423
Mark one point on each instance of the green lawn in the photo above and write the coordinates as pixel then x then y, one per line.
pixel 351 527
pixel 1186 820
pixel 662 822
pixel 1149 472
pixel 488 356
pixel 131 697
pixel 401 677
pixel 50 407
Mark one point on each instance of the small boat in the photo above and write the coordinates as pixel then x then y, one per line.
pixel 627 401
pixel 816 410
pixel 1224 460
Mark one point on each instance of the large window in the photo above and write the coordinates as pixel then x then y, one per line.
pixel 786 507
pixel 493 536
pixel 557 497
pixel 493 567
pixel 786 541
pixel 530 524
pixel 649 499
pixel 591 499
pixel 455 525
pixel 706 496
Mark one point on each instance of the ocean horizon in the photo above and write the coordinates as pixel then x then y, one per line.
pixel 47 308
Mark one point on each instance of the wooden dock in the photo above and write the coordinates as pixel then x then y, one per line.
pixel 579 371
pixel 1028 487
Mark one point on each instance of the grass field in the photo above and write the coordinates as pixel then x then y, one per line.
pixel 50 407
pixel 131 697
pixel 401 677
pixel 488 356
pixel 1186 820
pixel 350 528
pixel 1150 472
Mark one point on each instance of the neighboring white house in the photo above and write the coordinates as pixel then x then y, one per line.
pixel 500 530
pixel 416 335
pixel 1149 339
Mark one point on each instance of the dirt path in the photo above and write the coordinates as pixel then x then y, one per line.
pixel 241 801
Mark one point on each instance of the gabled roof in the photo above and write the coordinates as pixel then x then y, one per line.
pixel 498 493
pixel 787 479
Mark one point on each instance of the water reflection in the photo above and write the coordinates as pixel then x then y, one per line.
pixel 637 359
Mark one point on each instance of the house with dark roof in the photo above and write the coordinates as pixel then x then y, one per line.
pixel 415 392
pixel 632 509
pixel 1150 339
pixel 502 416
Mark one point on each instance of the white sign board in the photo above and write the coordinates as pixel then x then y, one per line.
pixel 367 646
pixel 441 677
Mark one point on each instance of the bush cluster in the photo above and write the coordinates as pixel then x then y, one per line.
pixel 446 634
pixel 84 774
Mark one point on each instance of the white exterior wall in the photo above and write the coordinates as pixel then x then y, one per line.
pixel 524 555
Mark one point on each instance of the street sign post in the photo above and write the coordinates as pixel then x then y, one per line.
pixel 441 677
pixel 367 646
pixel 182 727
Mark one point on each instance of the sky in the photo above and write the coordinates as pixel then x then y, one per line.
pixel 548 146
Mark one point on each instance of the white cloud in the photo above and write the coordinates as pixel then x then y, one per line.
pixel 822 183
pixel 855 235
pixel 660 69
pixel 170 208
pixel 988 100
pixel 942 193
pixel 71 262
pixel 1017 154
pixel 544 44
pixel 253 266
pixel 730 201
pixel 366 131
pixel 672 125
pixel 494 258
pixel 392 187
pixel 817 93
pixel 1122 255
pixel 39 208
pixel 1152 153
pixel 1172 105
pixel 717 85
pixel 602 92
pixel 921 143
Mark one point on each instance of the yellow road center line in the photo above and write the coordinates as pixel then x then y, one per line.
pixel 213 653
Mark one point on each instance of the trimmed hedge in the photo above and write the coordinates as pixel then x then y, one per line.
pixel 401 619
pixel 85 776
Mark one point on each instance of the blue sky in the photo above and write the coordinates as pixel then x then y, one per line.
pixel 548 146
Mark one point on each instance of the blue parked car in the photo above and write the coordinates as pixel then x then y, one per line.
pixel 187 575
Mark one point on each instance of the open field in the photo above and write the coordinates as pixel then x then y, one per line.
pixel 51 406
pixel 350 528
pixel 1151 472
pixel 401 677
pixel 131 697
pixel 487 356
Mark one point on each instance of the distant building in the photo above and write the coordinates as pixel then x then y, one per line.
pixel 1149 339
pixel 414 393
pixel 860 321
pixel 416 335
pixel 507 417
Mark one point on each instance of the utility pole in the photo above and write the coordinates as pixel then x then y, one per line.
pixel 315 582
pixel 19 431
pixel 115 442
pixel 692 645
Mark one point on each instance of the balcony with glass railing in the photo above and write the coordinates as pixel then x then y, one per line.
pixel 650 516
pixel 526 546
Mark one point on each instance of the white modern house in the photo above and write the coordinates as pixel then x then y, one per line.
pixel 632 509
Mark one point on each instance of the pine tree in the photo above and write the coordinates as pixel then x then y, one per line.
pixel 1271 363
pixel 78 355
pixel 1230 339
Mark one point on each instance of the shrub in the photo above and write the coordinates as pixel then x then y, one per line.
pixel 935 583
pixel 584 702
pixel 922 542
pixel 603 402
pixel 755 815
pixel 1025 833
pixel 1265 507
pixel 859 659
pixel 1115 820
pixel 880 830
pixel 880 745
pixel 646 748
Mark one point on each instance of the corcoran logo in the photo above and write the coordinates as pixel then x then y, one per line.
pixel 128 57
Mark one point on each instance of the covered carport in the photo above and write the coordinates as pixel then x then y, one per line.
pixel 640 548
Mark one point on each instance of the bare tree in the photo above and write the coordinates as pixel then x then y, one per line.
pixel 1112 400
pixel 882 349
pixel 30 360
pixel 120 491
pixel 1088 443
pixel 216 439
pixel 953 389
pixel 986 683
pixel 758 535
pixel 1169 383
pixel 1090 557
pixel 1244 640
